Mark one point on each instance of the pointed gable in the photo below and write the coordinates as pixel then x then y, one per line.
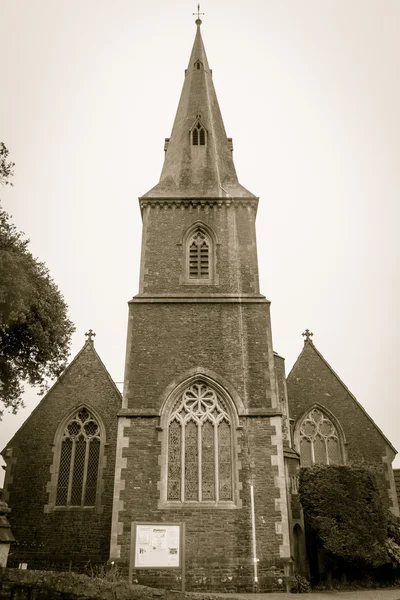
pixel 313 382
pixel 85 381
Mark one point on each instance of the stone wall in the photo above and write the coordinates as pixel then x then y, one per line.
pixel 218 541
pixel 166 340
pixel 312 382
pixel 163 250
pixel 46 535
pixel 45 585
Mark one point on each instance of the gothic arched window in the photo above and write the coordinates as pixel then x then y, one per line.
pixel 79 459
pixel 199 245
pixel 199 255
pixel 319 440
pixel 198 135
pixel 199 447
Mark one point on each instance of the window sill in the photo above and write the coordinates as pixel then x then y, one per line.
pixel 198 281
pixel 222 505
pixel 71 508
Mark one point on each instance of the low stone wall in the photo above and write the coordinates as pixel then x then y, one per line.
pixel 213 578
pixel 17 584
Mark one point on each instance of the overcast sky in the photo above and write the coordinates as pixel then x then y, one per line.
pixel 309 90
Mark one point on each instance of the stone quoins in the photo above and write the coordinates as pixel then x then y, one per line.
pixel 197 202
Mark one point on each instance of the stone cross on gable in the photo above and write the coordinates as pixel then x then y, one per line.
pixel 90 335
pixel 198 13
pixel 307 334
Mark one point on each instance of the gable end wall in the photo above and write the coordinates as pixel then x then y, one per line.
pixel 310 382
pixel 51 538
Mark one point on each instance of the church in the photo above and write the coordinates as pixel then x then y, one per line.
pixel 209 433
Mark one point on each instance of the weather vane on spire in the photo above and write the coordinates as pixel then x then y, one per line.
pixel 198 20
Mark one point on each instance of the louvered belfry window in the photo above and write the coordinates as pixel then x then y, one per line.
pixel 199 447
pixel 319 440
pixel 79 461
pixel 199 255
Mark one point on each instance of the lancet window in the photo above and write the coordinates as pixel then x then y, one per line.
pixel 319 440
pixel 78 470
pixel 200 467
pixel 199 255
pixel 198 135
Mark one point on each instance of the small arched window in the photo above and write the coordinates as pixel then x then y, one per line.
pixel 319 440
pixel 200 448
pixel 199 255
pixel 78 471
pixel 198 135
pixel 198 64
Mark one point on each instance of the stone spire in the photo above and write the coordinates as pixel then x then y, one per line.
pixel 198 163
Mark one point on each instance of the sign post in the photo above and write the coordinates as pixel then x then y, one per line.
pixel 157 546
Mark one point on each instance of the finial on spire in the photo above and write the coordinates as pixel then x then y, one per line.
pixel 307 334
pixel 198 20
pixel 90 335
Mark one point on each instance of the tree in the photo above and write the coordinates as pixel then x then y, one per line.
pixel 6 168
pixel 342 505
pixel 35 331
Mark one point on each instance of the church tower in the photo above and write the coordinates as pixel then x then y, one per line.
pixel 200 430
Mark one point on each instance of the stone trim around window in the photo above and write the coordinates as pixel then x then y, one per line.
pixel 79 442
pixel 199 448
pixel 199 245
pixel 319 438
pixel 198 132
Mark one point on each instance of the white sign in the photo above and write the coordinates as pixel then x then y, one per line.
pixel 157 545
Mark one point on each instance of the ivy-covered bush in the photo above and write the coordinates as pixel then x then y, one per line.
pixel 343 506
pixel 392 544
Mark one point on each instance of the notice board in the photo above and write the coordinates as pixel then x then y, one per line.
pixel 156 545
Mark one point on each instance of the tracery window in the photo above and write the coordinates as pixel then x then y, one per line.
pixel 79 461
pixel 319 440
pixel 199 135
pixel 199 453
pixel 199 255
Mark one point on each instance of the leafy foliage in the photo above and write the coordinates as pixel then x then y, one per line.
pixel 300 585
pixel 392 544
pixel 393 550
pixel 108 571
pixel 35 331
pixel 6 168
pixel 343 506
pixel 393 528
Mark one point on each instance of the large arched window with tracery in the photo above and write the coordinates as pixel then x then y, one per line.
pixel 319 440
pixel 79 452
pixel 200 453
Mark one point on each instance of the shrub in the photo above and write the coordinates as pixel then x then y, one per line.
pixel 300 585
pixel 343 506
